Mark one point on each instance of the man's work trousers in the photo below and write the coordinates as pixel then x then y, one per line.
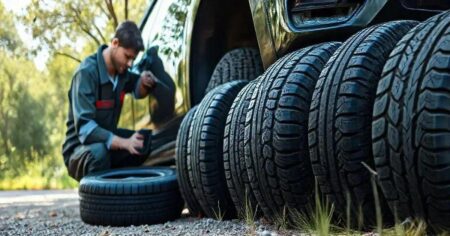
pixel 87 159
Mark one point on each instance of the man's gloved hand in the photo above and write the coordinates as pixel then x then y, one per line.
pixel 147 148
pixel 148 79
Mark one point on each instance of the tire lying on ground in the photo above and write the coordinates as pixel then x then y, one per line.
pixel 182 165
pixel 205 151
pixel 238 64
pixel 233 155
pixel 132 196
pixel 276 131
pixel 411 124
pixel 340 121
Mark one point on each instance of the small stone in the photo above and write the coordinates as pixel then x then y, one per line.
pixel 264 233
pixel 104 233
pixel 185 211
pixel 19 217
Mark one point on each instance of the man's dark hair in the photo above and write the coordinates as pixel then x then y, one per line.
pixel 129 36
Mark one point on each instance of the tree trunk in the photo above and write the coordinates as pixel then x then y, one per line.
pixel 126 9
pixel 112 13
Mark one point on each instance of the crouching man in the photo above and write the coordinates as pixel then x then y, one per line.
pixel 93 141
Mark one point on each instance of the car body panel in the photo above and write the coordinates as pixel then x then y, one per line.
pixel 275 27
pixel 263 34
pixel 167 32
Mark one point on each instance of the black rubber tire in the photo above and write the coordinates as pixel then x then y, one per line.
pixel 181 162
pixel 276 129
pixel 233 154
pixel 340 121
pixel 411 124
pixel 237 64
pixel 205 157
pixel 132 196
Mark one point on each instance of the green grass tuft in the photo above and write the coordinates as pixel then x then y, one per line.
pixel 218 215
pixel 248 214
pixel 281 220
pixel 408 228
pixel 318 219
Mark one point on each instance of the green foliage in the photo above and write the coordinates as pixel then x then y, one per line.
pixel 76 28
pixel 176 17
pixel 9 39
pixel 22 131
pixel 33 102
pixel 47 172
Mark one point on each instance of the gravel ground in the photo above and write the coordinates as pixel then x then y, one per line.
pixel 56 213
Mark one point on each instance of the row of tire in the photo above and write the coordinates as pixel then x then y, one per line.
pixel 327 114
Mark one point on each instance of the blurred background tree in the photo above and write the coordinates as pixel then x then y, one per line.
pixel 33 101
pixel 76 28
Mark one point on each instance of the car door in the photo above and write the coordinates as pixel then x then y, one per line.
pixel 164 31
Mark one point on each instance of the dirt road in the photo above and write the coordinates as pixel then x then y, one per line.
pixel 53 212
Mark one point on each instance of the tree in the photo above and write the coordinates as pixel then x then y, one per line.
pixel 9 39
pixel 74 28
pixel 22 111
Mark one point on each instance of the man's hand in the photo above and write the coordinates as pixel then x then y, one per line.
pixel 136 141
pixel 148 79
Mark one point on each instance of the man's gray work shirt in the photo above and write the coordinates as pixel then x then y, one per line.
pixel 95 103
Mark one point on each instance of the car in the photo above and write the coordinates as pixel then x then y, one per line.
pixel 336 128
pixel 185 39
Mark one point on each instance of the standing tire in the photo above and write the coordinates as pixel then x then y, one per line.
pixel 238 64
pixel 132 196
pixel 276 131
pixel 411 124
pixel 233 154
pixel 182 165
pixel 340 121
pixel 205 151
